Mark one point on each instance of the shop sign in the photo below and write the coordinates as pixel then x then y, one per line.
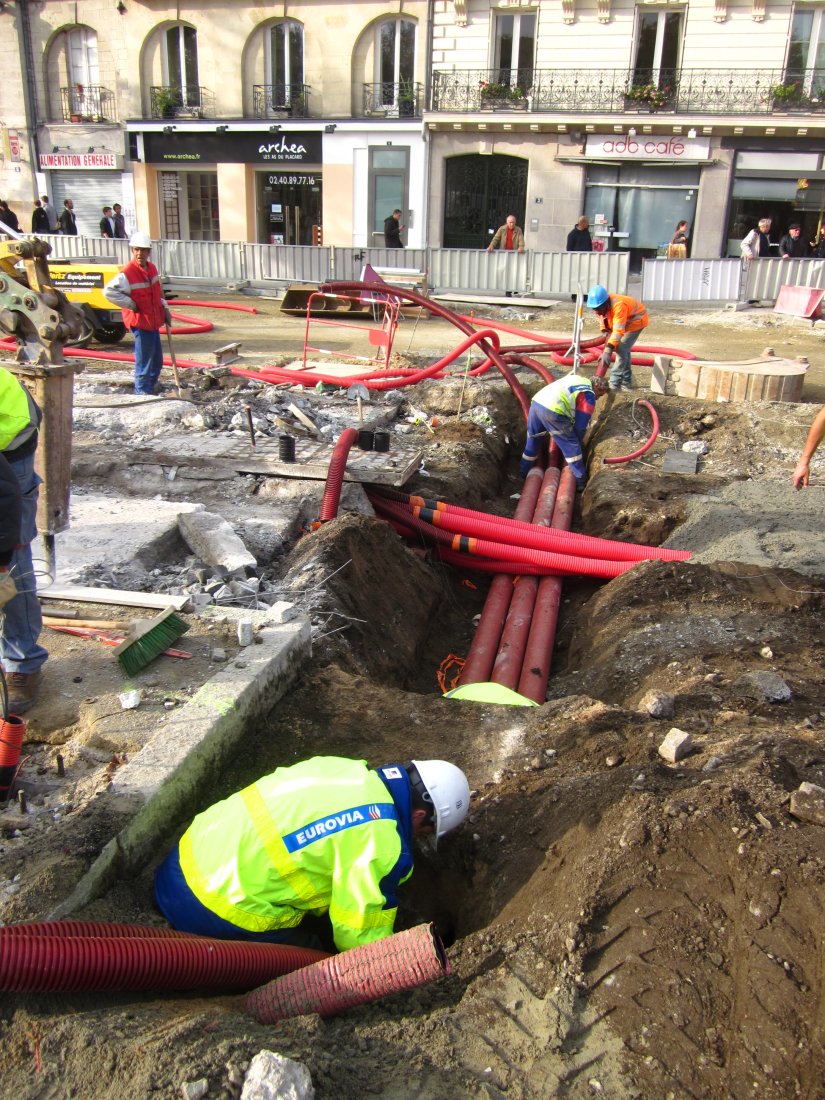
pixel 53 161
pixel 262 147
pixel 648 147
pixel 14 145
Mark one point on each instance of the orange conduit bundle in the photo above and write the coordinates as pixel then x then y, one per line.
pixel 357 977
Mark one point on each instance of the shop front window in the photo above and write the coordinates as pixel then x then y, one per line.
pixel 289 205
pixel 758 192
pixel 189 206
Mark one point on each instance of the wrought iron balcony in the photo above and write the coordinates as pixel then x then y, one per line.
pixel 402 99
pixel 87 103
pixel 171 101
pixel 600 91
pixel 280 100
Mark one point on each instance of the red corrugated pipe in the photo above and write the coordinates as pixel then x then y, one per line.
pixel 482 652
pixel 507 665
pixel 214 305
pixel 646 446
pixel 357 977
pixel 566 564
pixel 335 474
pixel 538 653
pixel 36 962
pixel 501 529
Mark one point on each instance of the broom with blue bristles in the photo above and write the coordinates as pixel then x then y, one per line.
pixel 147 639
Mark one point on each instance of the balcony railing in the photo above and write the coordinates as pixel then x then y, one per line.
pixel 170 101
pixel 402 99
pixel 87 103
pixel 600 91
pixel 280 100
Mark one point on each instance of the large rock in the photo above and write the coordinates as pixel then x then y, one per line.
pixel 272 1077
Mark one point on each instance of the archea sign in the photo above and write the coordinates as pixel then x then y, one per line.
pixel 240 148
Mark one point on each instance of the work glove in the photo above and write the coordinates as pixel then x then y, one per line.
pixel 167 315
pixel 605 358
pixel 8 589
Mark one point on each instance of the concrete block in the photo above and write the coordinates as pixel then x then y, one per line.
pixel 808 803
pixel 213 540
pixel 676 746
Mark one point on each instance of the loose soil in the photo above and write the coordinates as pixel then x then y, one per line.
pixel 615 925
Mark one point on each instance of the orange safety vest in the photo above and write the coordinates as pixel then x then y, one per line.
pixel 626 314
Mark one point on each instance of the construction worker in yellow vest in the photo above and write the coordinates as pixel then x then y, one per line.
pixel 328 835
pixel 623 318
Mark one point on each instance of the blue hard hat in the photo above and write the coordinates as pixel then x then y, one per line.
pixel 596 296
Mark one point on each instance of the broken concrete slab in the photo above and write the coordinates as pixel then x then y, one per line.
pixel 213 540
pixel 676 746
pixel 808 803
pixel 111 531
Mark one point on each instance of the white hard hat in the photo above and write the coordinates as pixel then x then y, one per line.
pixel 140 240
pixel 447 788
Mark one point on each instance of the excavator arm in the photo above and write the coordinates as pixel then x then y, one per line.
pixel 39 317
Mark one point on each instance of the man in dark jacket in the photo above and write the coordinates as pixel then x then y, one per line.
pixel 579 239
pixel 68 222
pixel 40 219
pixel 8 217
pixel 792 246
pixel 393 230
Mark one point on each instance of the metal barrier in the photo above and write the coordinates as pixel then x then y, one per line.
pixel 554 274
pixel 764 278
pixel 103 248
pixel 348 263
pixel 474 270
pixel 276 263
pixel 691 280
pixel 207 261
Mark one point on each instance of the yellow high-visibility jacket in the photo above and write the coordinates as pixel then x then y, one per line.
pixel 18 413
pixel 328 834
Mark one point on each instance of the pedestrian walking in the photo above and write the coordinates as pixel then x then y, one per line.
pixel 68 222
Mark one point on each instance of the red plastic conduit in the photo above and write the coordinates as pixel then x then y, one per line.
pixel 335 474
pixel 482 653
pixel 454 319
pixel 214 305
pixel 507 665
pixel 538 653
pixel 517 533
pixel 9 344
pixel 562 563
pixel 646 446
pixel 58 963
pixel 99 928
pixel 357 977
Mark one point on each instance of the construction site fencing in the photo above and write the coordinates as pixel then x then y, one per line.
pixel 691 280
pixel 348 263
pixel 554 274
pixel 458 270
pixel 763 279
pixel 275 263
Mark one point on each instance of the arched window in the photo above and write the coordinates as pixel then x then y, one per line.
pixel 395 59
pixel 180 64
pixel 83 73
pixel 285 63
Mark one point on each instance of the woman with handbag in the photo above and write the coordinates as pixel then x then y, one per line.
pixel 677 249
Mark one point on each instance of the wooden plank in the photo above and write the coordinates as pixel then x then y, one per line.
pixel 305 420
pixel 117 597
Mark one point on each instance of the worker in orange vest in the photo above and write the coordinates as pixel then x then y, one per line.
pixel 623 318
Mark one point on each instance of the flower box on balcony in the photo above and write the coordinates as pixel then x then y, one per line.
pixel 646 97
pixel 501 97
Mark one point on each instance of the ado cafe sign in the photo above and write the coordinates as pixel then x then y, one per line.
pixel 648 147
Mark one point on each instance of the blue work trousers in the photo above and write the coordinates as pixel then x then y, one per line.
pixel 620 372
pixel 22 621
pixel 148 359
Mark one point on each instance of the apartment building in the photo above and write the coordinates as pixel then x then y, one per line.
pixel 636 114
pixel 288 123
pixel 308 122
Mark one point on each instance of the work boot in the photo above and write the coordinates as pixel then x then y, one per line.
pixel 24 688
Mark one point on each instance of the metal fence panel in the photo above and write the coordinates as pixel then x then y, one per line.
pixel 476 270
pixel 348 263
pixel 764 278
pixel 216 261
pixel 287 263
pixel 691 280
pixel 103 248
pixel 555 274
